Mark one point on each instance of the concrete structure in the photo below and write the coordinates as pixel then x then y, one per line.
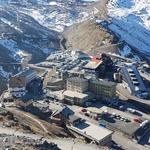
pixel 76 73
pixel 132 80
pixel 100 135
pixel 99 65
pixel 18 83
pixel 75 98
pixel 56 84
pixel 74 120
pixel 102 89
pixel 22 79
pixel 18 92
pixel 77 84
pixel 62 115
pixel 93 68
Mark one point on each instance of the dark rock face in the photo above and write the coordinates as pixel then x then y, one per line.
pixel 18 143
pixel 45 146
pixel 24 34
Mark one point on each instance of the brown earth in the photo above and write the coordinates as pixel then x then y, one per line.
pixel 89 36
pixel 27 122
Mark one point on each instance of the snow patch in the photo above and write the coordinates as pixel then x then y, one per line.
pixel 53 3
pixel 10 24
pixel 4 74
pixel 59 15
pixel 126 51
pixel 11 45
pixel 131 20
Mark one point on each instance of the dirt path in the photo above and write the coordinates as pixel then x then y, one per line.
pixel 28 116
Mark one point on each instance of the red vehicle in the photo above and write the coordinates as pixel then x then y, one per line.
pixel 137 120
pixel 84 110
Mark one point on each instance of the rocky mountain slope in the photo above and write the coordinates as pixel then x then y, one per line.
pixel 131 21
pixel 24 35
pixel 32 26
pixel 89 37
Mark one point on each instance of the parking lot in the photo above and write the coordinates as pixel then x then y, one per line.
pixel 113 119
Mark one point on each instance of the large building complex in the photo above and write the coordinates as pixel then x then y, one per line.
pixel 22 79
pixel 80 90
pixel 99 65
pixel 18 82
pixel 75 93
pixel 102 89
pixel 100 135
pixel 77 84
pixel 75 98
pixel 92 68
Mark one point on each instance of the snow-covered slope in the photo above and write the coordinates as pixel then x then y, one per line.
pixel 56 14
pixel 126 51
pixel 3 73
pixel 131 20
pixel 59 14
pixel 33 26
pixel 20 33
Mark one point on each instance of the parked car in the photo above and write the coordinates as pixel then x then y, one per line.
pixel 121 108
pixel 83 110
pixel 133 111
pixel 86 114
pixel 137 120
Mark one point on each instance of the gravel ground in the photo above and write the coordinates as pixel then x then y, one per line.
pixel 63 144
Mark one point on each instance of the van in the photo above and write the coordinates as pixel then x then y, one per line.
pixel 133 111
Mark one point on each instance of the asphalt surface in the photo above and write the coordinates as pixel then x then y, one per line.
pixel 126 143
pixel 123 92
pixel 118 137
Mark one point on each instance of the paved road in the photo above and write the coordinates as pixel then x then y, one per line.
pixel 64 144
pixel 127 143
pixel 118 137
pixel 38 67
pixel 120 57
pixel 123 92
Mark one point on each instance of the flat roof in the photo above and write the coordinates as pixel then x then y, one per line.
pixel 77 79
pixel 92 65
pixel 103 82
pixel 96 110
pixel 75 94
pixel 73 118
pixel 76 71
pixel 96 132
